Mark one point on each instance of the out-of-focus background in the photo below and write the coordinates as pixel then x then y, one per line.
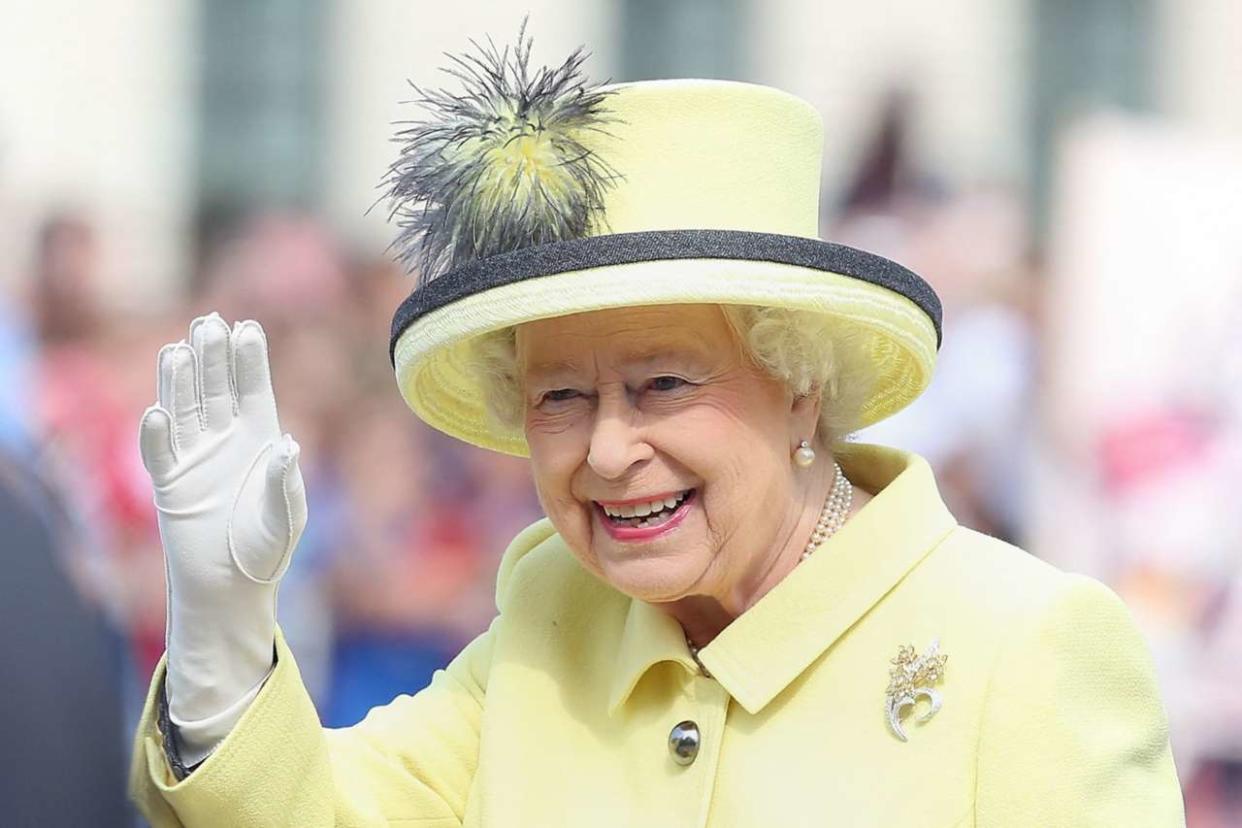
pixel 1066 173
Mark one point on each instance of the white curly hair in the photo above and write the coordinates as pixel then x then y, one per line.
pixel 810 352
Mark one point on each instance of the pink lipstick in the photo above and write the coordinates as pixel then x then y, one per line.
pixel 655 525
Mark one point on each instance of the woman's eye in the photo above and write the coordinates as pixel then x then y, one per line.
pixel 667 383
pixel 560 395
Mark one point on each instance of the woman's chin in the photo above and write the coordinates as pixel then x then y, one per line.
pixel 654 579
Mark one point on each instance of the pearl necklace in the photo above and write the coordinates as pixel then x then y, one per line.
pixel 833 515
pixel 831 518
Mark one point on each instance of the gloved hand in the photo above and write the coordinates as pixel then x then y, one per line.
pixel 231 507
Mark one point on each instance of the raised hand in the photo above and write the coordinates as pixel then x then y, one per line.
pixel 231 507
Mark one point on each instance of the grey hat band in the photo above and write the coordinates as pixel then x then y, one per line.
pixel 654 245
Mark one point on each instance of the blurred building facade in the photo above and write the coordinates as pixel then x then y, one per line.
pixel 166 111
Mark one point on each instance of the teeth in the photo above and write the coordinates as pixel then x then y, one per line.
pixel 642 510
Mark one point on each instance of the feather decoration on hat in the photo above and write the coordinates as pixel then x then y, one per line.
pixel 499 166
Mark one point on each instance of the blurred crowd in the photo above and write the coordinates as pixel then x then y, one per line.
pixel 393 574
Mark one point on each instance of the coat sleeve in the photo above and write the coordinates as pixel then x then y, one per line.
pixel 410 760
pixel 1073 731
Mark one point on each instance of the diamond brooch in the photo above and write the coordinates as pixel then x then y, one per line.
pixel 909 680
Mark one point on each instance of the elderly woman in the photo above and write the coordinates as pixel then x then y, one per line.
pixel 731 615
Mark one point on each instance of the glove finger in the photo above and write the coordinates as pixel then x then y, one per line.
pixel 253 378
pixel 209 335
pixel 186 411
pixel 155 442
pixel 163 377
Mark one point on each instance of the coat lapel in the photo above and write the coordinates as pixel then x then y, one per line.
pixel 772 643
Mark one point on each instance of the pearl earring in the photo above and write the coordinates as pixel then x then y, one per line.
pixel 805 455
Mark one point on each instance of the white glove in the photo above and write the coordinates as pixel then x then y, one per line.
pixel 231 507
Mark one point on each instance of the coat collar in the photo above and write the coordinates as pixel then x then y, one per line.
pixel 772 643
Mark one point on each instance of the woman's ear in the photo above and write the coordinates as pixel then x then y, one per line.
pixel 804 414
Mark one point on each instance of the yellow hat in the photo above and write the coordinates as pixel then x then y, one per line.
pixel 693 191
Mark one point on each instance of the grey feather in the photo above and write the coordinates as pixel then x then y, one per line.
pixel 499 166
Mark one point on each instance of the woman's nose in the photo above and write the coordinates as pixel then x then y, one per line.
pixel 616 444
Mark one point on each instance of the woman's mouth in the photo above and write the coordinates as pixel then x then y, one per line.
pixel 645 519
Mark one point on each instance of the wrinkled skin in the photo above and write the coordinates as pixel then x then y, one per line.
pixel 635 402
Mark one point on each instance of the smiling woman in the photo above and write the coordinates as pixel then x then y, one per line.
pixel 625 409
pixel 713 624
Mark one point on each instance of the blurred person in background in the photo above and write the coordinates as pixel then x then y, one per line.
pixel 63 660
pixel 61 715
pixel 411 590
pixel 65 289
pixel 702 630
pixel 1177 457
pixel 82 398
pixel 976 422
pixel 79 411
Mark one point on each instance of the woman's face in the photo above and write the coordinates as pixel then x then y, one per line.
pixel 659 451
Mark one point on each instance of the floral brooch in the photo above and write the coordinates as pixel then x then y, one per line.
pixel 911 678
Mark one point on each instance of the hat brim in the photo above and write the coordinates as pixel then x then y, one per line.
pixel 894 314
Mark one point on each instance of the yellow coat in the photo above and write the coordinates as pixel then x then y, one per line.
pixel 560 713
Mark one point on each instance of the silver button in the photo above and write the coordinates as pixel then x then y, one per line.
pixel 683 742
